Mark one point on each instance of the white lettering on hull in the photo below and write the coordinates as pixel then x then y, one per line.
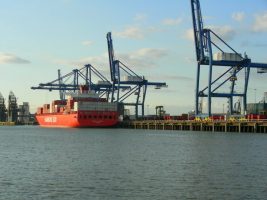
pixel 50 119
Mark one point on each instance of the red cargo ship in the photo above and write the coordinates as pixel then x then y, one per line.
pixel 82 109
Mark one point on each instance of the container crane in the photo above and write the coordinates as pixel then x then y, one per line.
pixel 138 84
pixel 72 80
pixel 206 41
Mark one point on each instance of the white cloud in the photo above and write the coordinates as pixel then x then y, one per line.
pixel 132 32
pixel 177 77
pixel 8 58
pixel 189 34
pixel 67 2
pixel 87 43
pixel 225 32
pixel 143 58
pixel 190 60
pixel 238 16
pixel 172 22
pixel 153 29
pixel 149 52
pixel 260 24
pixel 205 17
pixel 136 32
pixel 97 61
pixel 140 17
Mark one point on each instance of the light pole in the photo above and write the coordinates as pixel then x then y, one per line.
pixel 255 103
pixel 255 95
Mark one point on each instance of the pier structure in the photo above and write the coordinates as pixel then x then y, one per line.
pixel 241 126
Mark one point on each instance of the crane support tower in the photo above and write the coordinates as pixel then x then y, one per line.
pixel 3 109
pixel 206 43
pixel 137 84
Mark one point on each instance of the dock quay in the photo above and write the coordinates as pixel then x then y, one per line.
pixel 244 126
pixel 7 123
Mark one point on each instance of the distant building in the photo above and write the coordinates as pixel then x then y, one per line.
pixel 2 109
pixel 258 108
pixel 12 109
pixel 24 113
pixel 14 113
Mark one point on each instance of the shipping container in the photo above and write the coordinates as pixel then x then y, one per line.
pixel 133 78
pixel 103 83
pixel 227 56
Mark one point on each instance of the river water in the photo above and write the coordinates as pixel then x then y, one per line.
pixel 47 163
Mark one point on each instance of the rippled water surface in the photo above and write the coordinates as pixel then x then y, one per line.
pixel 39 163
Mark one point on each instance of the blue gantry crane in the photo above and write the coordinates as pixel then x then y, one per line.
pixel 206 43
pixel 72 80
pixel 137 84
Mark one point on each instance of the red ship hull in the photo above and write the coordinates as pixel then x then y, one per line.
pixel 78 119
pixel 81 109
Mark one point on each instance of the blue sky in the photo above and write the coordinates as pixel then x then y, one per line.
pixel 154 38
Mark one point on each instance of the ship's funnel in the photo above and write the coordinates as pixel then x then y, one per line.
pixel 84 89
